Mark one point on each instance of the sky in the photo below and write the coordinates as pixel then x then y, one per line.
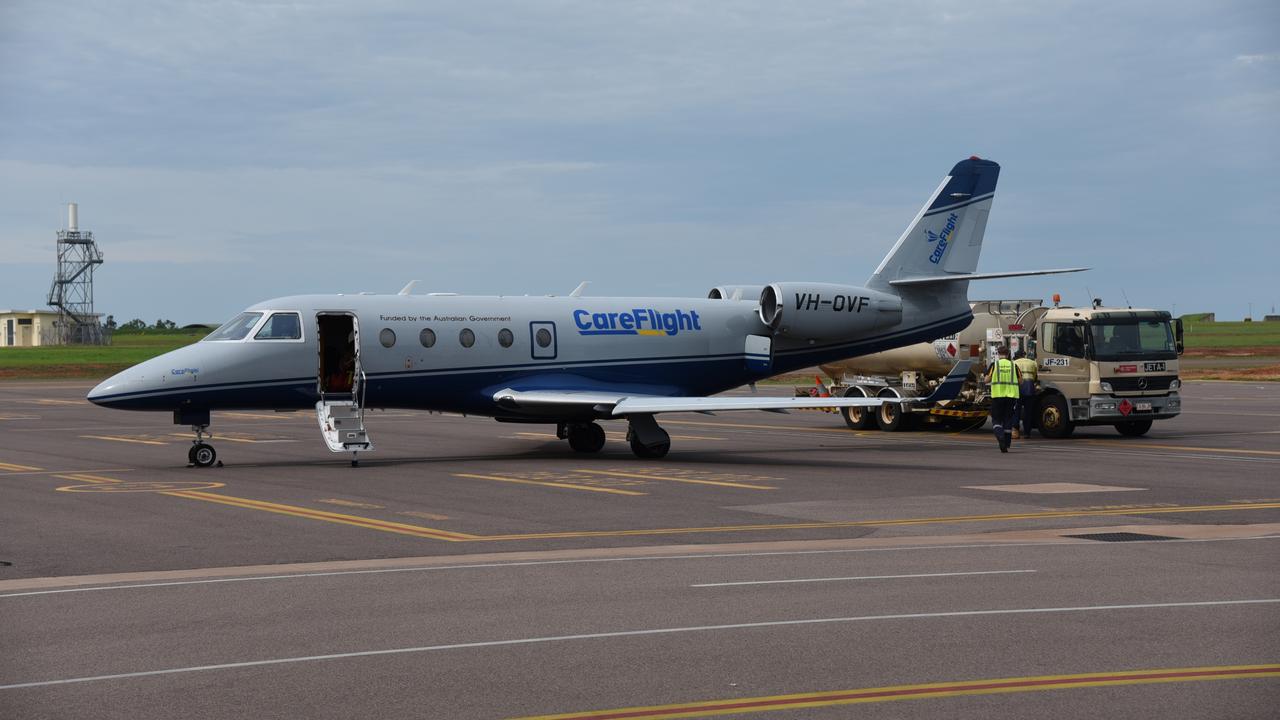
pixel 228 152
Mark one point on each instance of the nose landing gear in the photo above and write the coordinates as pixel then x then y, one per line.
pixel 201 453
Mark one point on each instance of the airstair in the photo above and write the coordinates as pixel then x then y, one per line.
pixel 342 421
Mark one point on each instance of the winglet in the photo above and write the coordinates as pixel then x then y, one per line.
pixel 408 288
pixel 950 387
pixel 577 292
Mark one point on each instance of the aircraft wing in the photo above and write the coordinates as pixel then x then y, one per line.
pixel 619 405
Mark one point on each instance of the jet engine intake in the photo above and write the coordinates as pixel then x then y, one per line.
pixel 823 311
pixel 735 292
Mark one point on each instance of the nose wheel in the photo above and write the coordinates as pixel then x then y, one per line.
pixel 201 453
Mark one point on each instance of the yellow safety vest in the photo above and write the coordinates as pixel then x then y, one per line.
pixel 1004 383
pixel 1027 367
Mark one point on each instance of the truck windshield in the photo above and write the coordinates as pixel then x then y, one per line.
pixel 1132 340
pixel 236 328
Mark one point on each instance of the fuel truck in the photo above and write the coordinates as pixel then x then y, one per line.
pixel 1096 366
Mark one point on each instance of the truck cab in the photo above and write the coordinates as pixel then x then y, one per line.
pixel 1105 366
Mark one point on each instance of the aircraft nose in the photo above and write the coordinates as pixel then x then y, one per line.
pixel 106 392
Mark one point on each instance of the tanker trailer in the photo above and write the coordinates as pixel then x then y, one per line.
pixel 914 370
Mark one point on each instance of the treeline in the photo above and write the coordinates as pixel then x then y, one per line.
pixel 138 325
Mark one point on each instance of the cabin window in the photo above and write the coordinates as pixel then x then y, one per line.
pixel 427 337
pixel 543 337
pixel 467 338
pixel 237 328
pixel 281 326
pixel 387 337
pixel 506 338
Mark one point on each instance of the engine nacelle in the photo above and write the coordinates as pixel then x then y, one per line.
pixel 822 311
pixel 735 292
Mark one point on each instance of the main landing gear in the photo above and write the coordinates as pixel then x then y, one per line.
pixel 647 440
pixel 583 437
pixel 201 453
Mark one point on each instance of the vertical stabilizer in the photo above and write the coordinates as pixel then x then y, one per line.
pixel 946 235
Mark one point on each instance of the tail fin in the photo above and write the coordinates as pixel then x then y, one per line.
pixel 946 235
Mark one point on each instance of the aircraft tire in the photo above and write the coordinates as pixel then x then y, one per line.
pixel 587 438
pixel 649 452
pixel 202 455
pixel 1133 428
pixel 1055 422
pixel 862 418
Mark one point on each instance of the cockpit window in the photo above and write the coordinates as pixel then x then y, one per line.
pixel 237 328
pixel 281 326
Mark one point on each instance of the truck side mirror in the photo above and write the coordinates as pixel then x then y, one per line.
pixel 1177 335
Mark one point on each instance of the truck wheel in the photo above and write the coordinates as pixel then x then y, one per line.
pixel 1055 422
pixel 1134 428
pixel 857 418
pixel 890 417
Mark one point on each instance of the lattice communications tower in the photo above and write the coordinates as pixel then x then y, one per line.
pixel 72 289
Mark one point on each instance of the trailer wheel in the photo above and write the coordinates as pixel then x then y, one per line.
pixel 1055 422
pixel 889 417
pixel 857 418
pixel 893 416
pixel 1134 428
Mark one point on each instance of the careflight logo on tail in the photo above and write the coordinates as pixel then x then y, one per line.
pixel 637 321
pixel 941 238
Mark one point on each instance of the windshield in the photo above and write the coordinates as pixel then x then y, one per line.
pixel 1132 339
pixel 236 328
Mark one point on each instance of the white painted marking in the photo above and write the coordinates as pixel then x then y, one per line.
pixel 584 561
pixel 1053 488
pixel 862 577
pixel 632 633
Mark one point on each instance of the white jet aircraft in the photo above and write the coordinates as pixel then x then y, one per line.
pixel 571 361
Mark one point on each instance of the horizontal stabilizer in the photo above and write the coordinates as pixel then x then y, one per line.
pixel 933 279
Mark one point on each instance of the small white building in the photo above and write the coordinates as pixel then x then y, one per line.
pixel 28 328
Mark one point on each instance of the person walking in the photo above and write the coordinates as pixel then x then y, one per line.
pixel 1025 415
pixel 1003 378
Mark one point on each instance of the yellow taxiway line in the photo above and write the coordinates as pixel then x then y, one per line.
pixel 767 703
pixel 1183 448
pixel 323 515
pixel 668 478
pixel 452 536
pixel 1118 444
pixel 125 439
pixel 10 467
pixel 293 510
pixel 548 483
pixel 886 522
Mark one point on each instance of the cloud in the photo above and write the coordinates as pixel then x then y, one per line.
pixel 651 146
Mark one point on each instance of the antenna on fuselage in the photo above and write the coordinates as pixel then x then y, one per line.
pixel 408 289
pixel 577 292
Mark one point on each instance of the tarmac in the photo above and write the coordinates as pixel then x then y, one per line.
pixel 770 566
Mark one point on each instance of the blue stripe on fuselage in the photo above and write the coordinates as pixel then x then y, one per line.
pixel 471 389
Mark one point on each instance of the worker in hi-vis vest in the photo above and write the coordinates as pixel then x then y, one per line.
pixel 1025 414
pixel 1003 377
